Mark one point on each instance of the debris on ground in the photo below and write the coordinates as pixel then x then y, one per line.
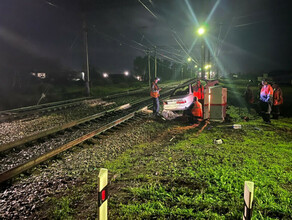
pixel 169 115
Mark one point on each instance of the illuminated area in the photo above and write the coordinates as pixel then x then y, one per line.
pixel 201 31
pixel 208 67
pixel 85 76
pixel 105 75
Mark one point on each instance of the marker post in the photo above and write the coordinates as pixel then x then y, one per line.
pixel 248 198
pixel 102 193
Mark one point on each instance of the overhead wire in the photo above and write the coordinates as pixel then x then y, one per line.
pixel 178 57
pixel 148 9
pixel 119 41
pixel 181 44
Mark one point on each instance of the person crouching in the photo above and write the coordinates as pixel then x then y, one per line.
pixel 196 111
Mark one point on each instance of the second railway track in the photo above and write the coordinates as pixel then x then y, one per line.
pixel 24 154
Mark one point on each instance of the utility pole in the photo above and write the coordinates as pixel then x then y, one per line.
pixel 155 63
pixel 85 33
pixel 203 58
pixel 209 63
pixel 149 74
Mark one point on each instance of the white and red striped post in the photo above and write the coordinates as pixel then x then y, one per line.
pixel 102 194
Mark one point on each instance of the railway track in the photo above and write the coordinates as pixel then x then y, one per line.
pixel 38 110
pixel 21 155
pixel 19 113
pixel 29 111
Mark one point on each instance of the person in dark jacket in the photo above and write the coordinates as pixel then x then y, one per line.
pixel 248 97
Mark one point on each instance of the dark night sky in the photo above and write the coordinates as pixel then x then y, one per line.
pixel 47 34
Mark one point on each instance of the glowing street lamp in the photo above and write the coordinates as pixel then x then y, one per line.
pixel 207 67
pixel 201 31
pixel 126 73
pixel 105 75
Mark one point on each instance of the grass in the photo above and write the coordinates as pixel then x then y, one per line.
pixel 182 174
pixel 195 178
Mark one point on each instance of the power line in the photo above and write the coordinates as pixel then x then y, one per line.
pixel 148 9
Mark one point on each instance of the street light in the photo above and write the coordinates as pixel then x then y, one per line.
pixel 126 73
pixel 201 31
pixel 105 75
pixel 207 67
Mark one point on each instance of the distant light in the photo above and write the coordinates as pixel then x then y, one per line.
pixel 208 66
pixel 105 75
pixel 139 78
pixel 189 59
pixel 126 73
pixel 201 31
pixel 196 66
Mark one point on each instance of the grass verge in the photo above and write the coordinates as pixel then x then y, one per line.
pixel 197 179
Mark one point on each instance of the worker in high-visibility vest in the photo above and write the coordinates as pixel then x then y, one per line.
pixel 154 93
pixel 277 101
pixel 198 91
pixel 266 101
pixel 196 111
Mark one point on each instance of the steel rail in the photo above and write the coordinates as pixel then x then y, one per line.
pixel 56 129
pixel 10 173
pixel 6 175
pixel 35 107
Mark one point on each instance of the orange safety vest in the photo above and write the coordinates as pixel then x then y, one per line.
pixel 197 109
pixel 267 90
pixel 154 90
pixel 278 97
pixel 199 93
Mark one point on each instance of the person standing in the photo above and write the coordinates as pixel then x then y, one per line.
pixel 198 91
pixel 266 100
pixel 277 101
pixel 248 97
pixel 155 96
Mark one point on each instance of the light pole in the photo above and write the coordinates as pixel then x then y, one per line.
pixel 190 60
pixel 201 31
pixel 85 33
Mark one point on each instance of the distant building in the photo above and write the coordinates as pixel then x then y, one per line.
pixel 39 75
